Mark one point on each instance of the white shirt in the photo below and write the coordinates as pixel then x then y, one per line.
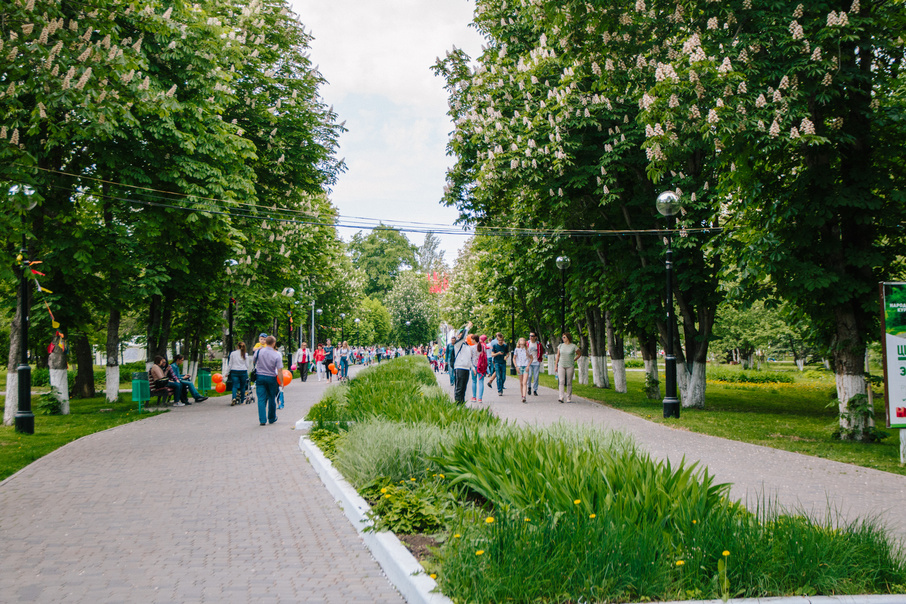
pixel 520 357
pixel 303 355
pixel 237 363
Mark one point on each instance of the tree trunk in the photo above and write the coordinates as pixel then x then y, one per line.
pixel 617 355
pixel 12 377
pixel 112 389
pixel 582 361
pixel 84 383
pixel 849 361
pixel 597 350
pixel 648 346
pixel 59 376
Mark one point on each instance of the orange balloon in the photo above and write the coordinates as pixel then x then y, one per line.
pixel 332 368
pixel 220 387
pixel 287 378
pixel 217 378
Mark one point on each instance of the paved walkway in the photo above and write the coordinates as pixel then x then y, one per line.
pixel 797 481
pixel 197 505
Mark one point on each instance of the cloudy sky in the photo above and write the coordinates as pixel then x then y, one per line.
pixel 376 56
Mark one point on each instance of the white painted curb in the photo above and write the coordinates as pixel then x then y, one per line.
pixel 304 426
pixel 400 566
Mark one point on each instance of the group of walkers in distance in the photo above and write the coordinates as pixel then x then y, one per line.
pixel 467 356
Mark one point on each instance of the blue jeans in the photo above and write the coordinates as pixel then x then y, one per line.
pixel 452 372
pixel 192 389
pixel 344 368
pixel 534 370
pixel 266 386
pixel 178 394
pixel 240 381
pixel 477 384
pixel 500 370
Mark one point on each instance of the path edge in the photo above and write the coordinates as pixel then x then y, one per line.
pixel 400 566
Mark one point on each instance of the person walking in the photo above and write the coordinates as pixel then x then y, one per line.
pixel 567 353
pixel 536 354
pixel 268 365
pixel 328 360
pixel 319 361
pixel 479 368
pixel 239 373
pixel 448 361
pixel 499 352
pixel 303 358
pixel 462 363
pixel 521 360
pixel 343 353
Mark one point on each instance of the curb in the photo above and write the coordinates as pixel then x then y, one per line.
pixel 400 566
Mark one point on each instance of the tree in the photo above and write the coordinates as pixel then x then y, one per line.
pixel 381 256
pixel 429 256
pixel 410 300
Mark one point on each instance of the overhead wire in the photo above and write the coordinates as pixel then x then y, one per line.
pixel 152 197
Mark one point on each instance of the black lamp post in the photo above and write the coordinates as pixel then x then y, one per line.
pixel 289 293
pixel 342 327
pixel 563 263
pixel 319 311
pixel 668 204
pixel 408 323
pixel 25 419
pixel 357 331
pixel 229 336
pixel 512 290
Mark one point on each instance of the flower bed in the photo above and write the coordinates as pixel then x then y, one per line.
pixel 510 513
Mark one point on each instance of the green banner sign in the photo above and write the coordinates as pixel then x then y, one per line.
pixel 893 321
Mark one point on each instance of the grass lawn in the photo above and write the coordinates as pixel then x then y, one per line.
pixel 792 417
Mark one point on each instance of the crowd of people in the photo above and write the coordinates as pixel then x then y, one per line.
pixel 466 357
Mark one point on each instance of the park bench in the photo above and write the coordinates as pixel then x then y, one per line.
pixel 143 388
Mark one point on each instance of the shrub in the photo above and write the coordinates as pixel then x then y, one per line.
pixel 49 403
pixel 723 374
pixel 634 363
pixel 405 508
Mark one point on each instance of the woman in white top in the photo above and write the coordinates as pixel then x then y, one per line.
pixel 521 360
pixel 239 373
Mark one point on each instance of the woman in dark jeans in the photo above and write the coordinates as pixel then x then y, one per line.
pixel 239 373
pixel 328 359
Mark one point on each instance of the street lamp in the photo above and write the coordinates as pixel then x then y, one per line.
pixel 229 337
pixel 563 263
pixel 668 204
pixel 289 293
pixel 408 323
pixel 342 327
pixel 25 419
pixel 357 331
pixel 512 290
pixel 319 311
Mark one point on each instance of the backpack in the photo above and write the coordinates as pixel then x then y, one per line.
pixel 482 365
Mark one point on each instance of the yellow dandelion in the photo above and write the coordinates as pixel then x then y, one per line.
pixel 577 501
pixel 479 552
pixel 433 575
pixel 384 490
pixel 457 536
pixel 527 520
pixel 441 475
pixel 680 562
pixel 387 496
pixel 489 519
pixel 412 479
pixel 592 516
pixel 695 522
pixel 726 553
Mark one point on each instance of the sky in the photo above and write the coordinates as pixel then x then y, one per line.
pixel 376 56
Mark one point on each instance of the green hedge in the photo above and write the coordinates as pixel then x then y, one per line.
pixel 724 374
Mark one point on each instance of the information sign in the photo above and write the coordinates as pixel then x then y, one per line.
pixel 893 322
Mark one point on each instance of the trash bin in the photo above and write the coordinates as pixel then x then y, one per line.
pixel 204 379
pixel 141 389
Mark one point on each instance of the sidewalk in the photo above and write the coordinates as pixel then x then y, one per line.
pixel 200 504
pixel 799 482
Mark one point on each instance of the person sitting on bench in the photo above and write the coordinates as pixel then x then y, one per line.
pixel 185 381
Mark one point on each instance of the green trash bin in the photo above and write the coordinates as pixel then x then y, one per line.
pixel 204 380
pixel 141 389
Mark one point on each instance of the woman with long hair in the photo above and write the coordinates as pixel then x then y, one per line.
pixel 479 368
pixel 238 367
pixel 521 361
pixel 567 353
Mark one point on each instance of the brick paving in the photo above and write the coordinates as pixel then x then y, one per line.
pixel 200 504
pixel 798 482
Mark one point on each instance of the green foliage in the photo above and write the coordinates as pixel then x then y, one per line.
pixel 49 403
pixel 326 440
pixel 380 448
pixel 398 507
pixel 382 255
pixel 726 374
pixel 410 300
pixel 857 421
